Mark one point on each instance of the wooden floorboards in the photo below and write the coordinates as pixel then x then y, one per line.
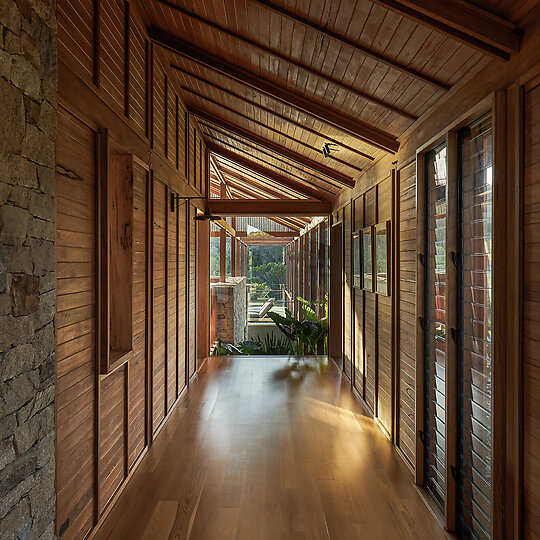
pixel 259 449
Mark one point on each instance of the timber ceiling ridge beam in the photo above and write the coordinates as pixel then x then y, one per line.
pixel 265 109
pixel 273 130
pixel 463 21
pixel 207 116
pixel 366 51
pixel 277 54
pixel 264 152
pixel 269 207
pixel 263 171
pixel 262 185
pixel 365 132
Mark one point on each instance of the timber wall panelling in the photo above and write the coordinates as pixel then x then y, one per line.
pixel 113 83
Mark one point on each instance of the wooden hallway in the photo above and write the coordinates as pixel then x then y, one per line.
pixel 258 449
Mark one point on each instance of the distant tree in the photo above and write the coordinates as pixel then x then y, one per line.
pixel 271 274
pixel 266 254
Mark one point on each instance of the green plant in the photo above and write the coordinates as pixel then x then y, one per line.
pixel 274 345
pixel 303 335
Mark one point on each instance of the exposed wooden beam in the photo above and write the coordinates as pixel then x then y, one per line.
pixel 362 131
pixel 219 176
pixel 248 190
pixel 354 45
pixel 268 110
pixel 271 145
pixel 270 128
pixel 300 65
pixel 293 165
pixel 275 234
pixel 462 21
pixel 271 175
pixel 269 207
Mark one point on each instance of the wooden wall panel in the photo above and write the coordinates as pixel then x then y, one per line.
pixel 158 308
pixel 75 326
pixel 358 308
pixel 531 311
pixel 182 298
pixel 112 52
pixel 172 283
pixel 117 414
pixel 137 74
pixel 137 365
pixel 407 303
pixel 76 36
pixel 348 285
pixel 158 103
pixel 192 293
pixel 370 318
pixel 111 434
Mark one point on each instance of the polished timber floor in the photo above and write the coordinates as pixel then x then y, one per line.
pixel 260 448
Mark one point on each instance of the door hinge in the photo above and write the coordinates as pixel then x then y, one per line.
pixel 422 322
pixel 422 436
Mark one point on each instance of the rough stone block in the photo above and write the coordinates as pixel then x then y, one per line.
pixel 46 178
pixel 19 196
pixel 12 126
pixel 18 391
pixel 24 291
pixel 15 331
pixel 23 172
pixel 43 256
pixel 16 361
pixel 17 260
pixel 13 225
pixel 42 206
pixel 7 452
pixel 17 471
pixel 16 521
pixel 25 77
pixel 37 147
pixel 10 16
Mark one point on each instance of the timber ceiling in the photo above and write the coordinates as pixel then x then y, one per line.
pixel 271 81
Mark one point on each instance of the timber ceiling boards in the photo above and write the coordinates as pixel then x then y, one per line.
pixel 282 77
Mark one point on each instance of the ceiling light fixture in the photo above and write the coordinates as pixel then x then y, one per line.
pixel 205 216
pixel 327 148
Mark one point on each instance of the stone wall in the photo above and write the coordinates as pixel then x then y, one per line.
pixel 231 309
pixel 28 66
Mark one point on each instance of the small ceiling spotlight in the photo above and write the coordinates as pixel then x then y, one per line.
pixel 327 148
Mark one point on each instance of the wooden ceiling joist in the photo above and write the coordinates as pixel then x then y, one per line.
pixel 300 65
pixel 219 176
pixel 271 175
pixel 271 145
pixel 293 165
pixel 267 110
pixel 273 130
pixel 269 207
pixel 463 21
pixel 362 131
pixel 247 188
pixel 354 45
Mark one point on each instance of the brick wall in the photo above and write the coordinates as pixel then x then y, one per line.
pixel 28 84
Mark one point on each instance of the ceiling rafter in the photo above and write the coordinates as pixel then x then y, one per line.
pixel 300 65
pixel 219 176
pixel 346 124
pixel 463 21
pixel 273 130
pixel 267 173
pixel 213 119
pixel 354 45
pixel 267 110
pixel 269 207
pixel 272 156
